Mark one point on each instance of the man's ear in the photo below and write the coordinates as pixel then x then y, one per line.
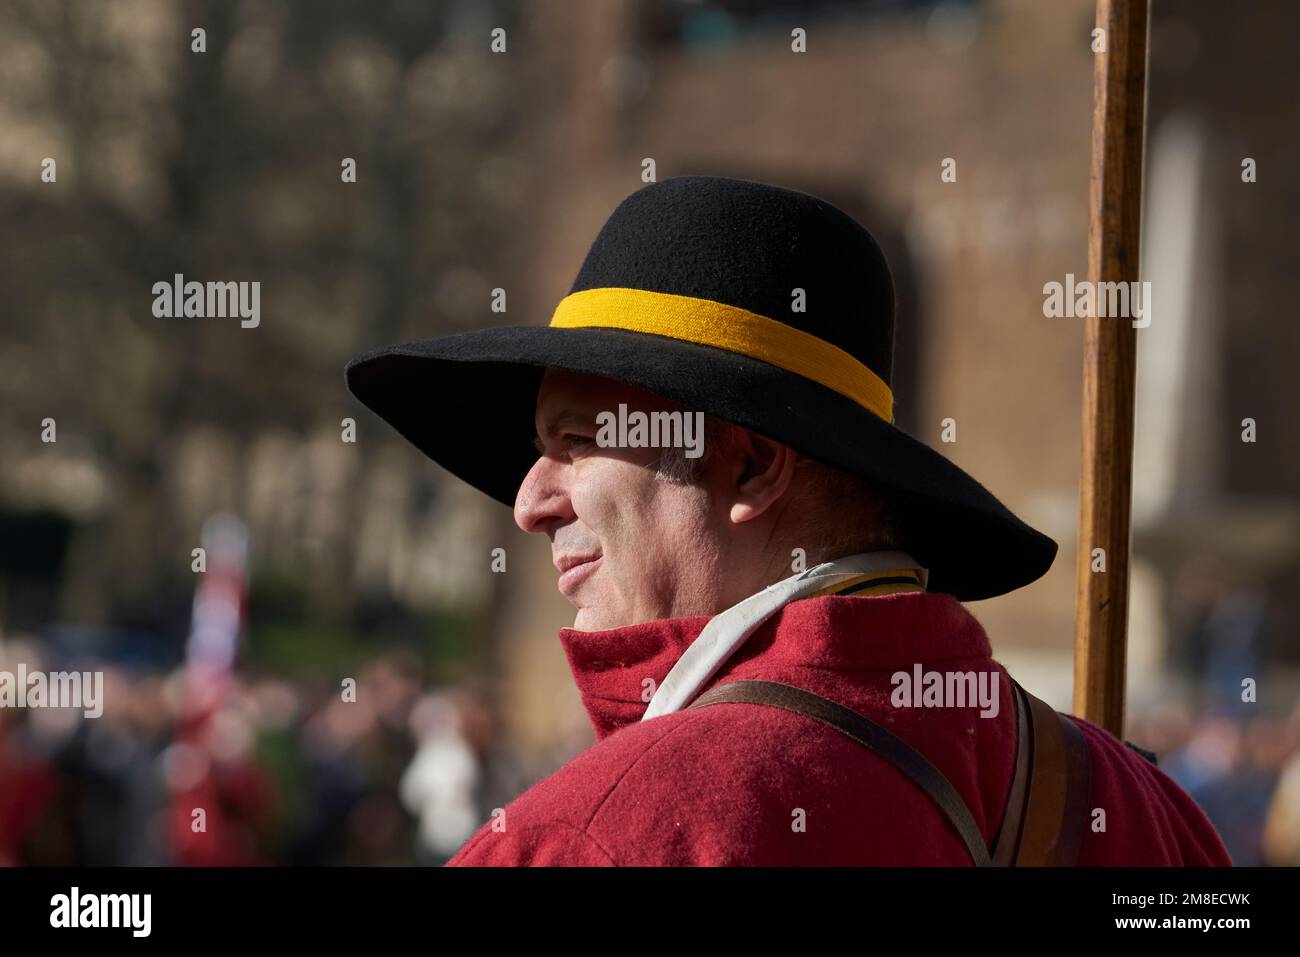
pixel 764 471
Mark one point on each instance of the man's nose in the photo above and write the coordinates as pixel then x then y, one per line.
pixel 543 500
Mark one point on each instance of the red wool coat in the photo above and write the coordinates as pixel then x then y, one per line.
pixel 746 784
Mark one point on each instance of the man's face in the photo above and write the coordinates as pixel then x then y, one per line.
pixel 629 547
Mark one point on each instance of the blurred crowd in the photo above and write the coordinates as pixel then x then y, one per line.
pixel 1243 772
pixel 274 772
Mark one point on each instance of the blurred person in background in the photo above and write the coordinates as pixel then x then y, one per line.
pixel 441 783
pixel 1282 826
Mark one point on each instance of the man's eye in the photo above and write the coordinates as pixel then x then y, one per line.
pixel 567 441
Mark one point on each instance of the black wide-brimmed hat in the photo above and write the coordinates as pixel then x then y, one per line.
pixel 762 306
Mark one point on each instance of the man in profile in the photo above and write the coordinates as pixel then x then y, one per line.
pixel 769 636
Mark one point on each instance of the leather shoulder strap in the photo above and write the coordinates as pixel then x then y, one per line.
pixel 1047 806
pixel 1007 842
pixel 910 762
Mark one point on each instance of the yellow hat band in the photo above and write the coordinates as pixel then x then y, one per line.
pixel 716 324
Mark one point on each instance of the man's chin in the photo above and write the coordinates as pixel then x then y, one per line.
pixel 590 619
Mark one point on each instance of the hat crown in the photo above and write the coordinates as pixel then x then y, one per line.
pixel 751 245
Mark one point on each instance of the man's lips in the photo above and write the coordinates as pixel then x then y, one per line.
pixel 574 570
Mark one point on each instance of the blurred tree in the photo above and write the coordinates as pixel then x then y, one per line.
pixel 225 165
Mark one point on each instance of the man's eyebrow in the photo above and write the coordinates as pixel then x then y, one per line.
pixel 561 419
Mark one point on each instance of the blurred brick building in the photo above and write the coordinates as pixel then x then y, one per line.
pixel 883 95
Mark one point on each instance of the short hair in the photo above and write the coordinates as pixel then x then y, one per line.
pixel 674 465
pixel 845 513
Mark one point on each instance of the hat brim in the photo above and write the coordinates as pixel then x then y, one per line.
pixel 468 402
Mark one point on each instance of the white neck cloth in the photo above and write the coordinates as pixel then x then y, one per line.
pixel 730 629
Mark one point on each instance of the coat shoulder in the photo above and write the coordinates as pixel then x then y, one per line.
pixel 731 784
pixel 1138 814
pixel 550 819
pixel 742 784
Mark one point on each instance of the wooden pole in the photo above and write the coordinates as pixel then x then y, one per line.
pixel 1110 353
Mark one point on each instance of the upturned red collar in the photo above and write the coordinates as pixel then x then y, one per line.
pixel 618 670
